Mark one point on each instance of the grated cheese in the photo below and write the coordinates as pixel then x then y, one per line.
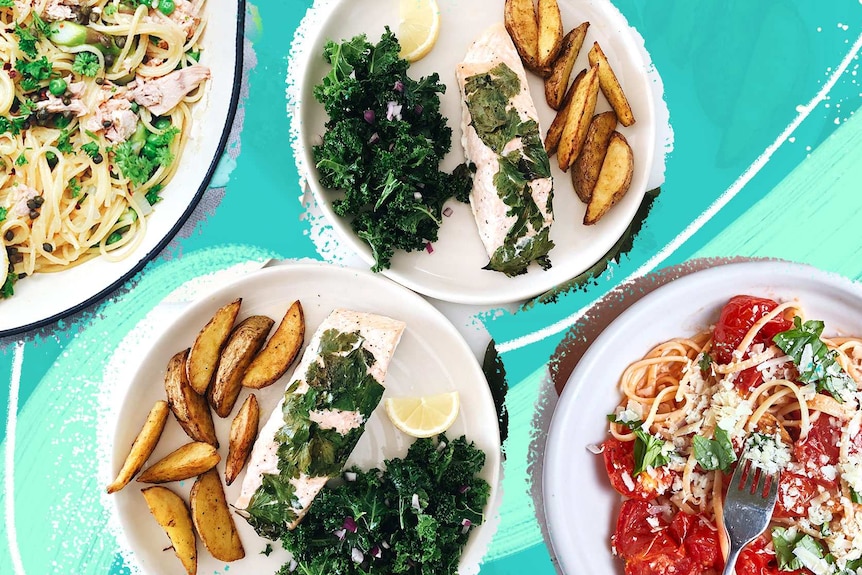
pixel 767 452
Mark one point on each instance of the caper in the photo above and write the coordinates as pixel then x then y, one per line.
pixel 9 235
pixel 97 159
pixel 47 247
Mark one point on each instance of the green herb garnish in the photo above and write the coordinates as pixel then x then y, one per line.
pixel 715 453
pixel 785 543
pixel 33 73
pixel 815 362
pixel 705 363
pixel 8 290
pixel 3 212
pixel 91 149
pixel 86 64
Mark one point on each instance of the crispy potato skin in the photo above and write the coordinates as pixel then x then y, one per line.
pixel 204 356
pixel 243 432
pixel 189 460
pixel 580 112
pixel 519 17
pixel 142 447
pixel 611 86
pixel 191 410
pixel 585 171
pixel 171 513
pixel 212 518
pixel 614 179
pixel 561 70
pixel 244 343
pixel 550 25
pixel 279 352
pixel 555 132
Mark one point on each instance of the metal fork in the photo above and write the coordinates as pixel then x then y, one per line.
pixel 747 512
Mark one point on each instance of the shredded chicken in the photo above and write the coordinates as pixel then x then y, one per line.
pixel 160 95
pixel 76 104
pixel 60 9
pixel 185 16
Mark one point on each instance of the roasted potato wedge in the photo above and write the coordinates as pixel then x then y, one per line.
pixel 244 343
pixel 555 132
pixel 243 432
pixel 171 513
pixel 191 410
pixel 561 71
pixel 204 356
pixel 279 352
pixel 550 25
pixel 580 112
pixel 614 179
pixel 213 520
pixel 143 446
pixel 585 171
pixel 189 460
pixel 519 17
pixel 611 86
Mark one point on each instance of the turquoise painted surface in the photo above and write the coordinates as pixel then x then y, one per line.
pixel 733 72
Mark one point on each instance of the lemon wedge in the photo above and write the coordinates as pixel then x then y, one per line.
pixel 423 416
pixel 418 28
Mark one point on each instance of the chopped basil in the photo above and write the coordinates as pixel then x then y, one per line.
pixel 785 541
pixel 715 453
pixel 854 496
pixel 705 363
pixel 815 362
pixel 649 451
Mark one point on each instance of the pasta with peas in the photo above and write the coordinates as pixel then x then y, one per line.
pixel 95 109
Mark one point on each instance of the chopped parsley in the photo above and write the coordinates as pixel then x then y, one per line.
pixel 413 517
pixel 815 362
pixel 383 145
pixel 27 41
pixel 715 453
pixel 63 143
pixel 139 166
pixel 34 73
pixel 7 3
pixel 153 195
pixel 109 10
pixel 21 160
pixel 14 124
pixel 91 149
pixel 3 212
pixel 8 290
pixel 86 64
pixel 26 107
pixel 74 187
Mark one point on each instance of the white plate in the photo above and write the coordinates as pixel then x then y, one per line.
pixel 45 298
pixel 575 485
pixel 431 358
pixel 454 271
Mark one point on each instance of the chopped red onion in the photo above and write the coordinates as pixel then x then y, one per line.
pixel 464 489
pixel 465 525
pixel 399 86
pixel 447 211
pixel 340 534
pixel 350 524
pixel 375 137
pixel 357 555
pixel 369 116
pixel 430 249
pixel 417 109
pixel 349 476
pixel 376 552
pixel 393 111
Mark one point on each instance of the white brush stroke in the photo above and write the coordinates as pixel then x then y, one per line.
pixel 703 218
pixel 9 479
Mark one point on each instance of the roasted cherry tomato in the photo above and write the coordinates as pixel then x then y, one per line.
pixel 620 462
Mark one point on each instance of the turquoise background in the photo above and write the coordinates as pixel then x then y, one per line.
pixel 734 73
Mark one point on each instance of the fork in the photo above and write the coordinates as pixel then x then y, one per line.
pixel 746 511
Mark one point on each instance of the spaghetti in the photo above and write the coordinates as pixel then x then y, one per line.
pixel 95 109
pixel 762 385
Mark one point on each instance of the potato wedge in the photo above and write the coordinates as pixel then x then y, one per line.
pixel 561 71
pixel 171 513
pixel 614 179
pixel 580 113
pixel 213 520
pixel 555 132
pixel 585 170
pixel 243 432
pixel 550 25
pixel 244 343
pixel 519 17
pixel 189 460
pixel 204 356
pixel 611 86
pixel 279 352
pixel 191 410
pixel 142 447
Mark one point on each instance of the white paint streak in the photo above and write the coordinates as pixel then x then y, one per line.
pixel 9 478
pixel 703 218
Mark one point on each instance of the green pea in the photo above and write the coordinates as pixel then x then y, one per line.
pixel 150 150
pixel 167 7
pixel 57 86
pixel 162 124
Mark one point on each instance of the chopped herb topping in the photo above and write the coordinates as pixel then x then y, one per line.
pixel 3 212
pixel 34 73
pixel 21 160
pixel 74 187
pixel 7 3
pixel 715 453
pixel 63 143
pixel 8 290
pixel 91 149
pixel 86 64
pixel 705 363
